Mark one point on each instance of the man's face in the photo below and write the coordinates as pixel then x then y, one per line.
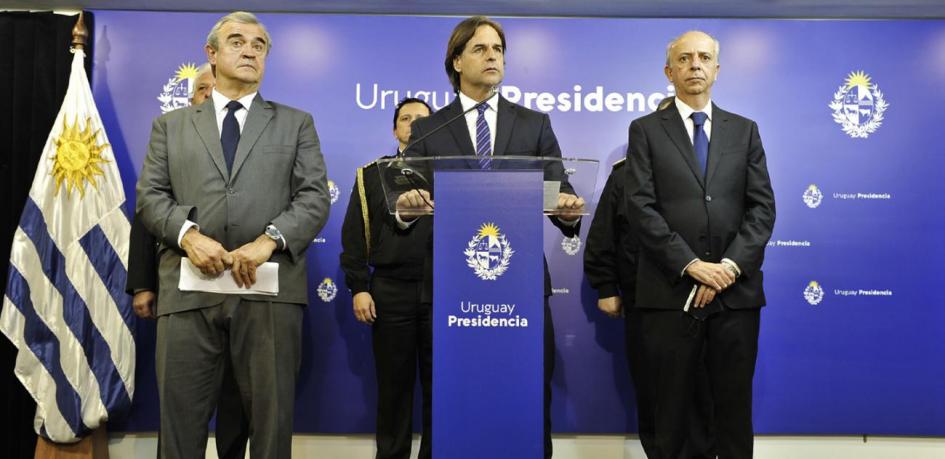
pixel 242 54
pixel 408 114
pixel 693 65
pixel 482 63
pixel 203 86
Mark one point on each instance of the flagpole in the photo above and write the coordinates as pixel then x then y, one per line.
pixel 94 445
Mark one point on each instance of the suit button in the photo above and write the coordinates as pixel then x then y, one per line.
pixel 708 254
pixel 708 198
pixel 230 191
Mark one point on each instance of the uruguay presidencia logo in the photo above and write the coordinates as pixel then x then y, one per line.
pixel 571 245
pixel 333 191
pixel 813 196
pixel 176 92
pixel 327 290
pixel 858 106
pixel 488 252
pixel 813 293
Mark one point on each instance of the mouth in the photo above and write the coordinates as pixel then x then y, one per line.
pixel 491 69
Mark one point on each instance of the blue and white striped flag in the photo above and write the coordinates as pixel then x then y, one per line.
pixel 65 307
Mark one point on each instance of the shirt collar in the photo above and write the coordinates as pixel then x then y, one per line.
pixel 220 101
pixel 686 111
pixel 467 102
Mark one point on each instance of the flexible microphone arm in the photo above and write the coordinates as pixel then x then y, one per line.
pixel 495 92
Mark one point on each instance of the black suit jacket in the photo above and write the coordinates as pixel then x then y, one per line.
pixel 142 259
pixel 519 132
pixel 678 215
pixel 610 255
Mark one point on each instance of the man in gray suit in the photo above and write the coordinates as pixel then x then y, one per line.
pixel 231 184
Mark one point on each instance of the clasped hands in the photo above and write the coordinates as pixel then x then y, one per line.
pixel 415 203
pixel 212 259
pixel 713 278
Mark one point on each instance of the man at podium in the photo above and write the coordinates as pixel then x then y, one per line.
pixel 481 123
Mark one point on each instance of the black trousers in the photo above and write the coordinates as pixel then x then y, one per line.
pixel 402 337
pixel 675 347
pixel 701 441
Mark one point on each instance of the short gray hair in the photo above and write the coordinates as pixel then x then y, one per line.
pixel 669 47
pixel 241 17
pixel 204 68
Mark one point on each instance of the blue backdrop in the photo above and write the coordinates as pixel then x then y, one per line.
pixel 852 339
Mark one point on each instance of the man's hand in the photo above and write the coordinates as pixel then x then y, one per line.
pixel 204 252
pixel 570 207
pixel 610 306
pixel 246 258
pixel 715 275
pixel 143 304
pixel 364 308
pixel 704 296
pixel 414 203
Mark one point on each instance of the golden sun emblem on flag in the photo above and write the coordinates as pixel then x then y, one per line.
pixel 78 157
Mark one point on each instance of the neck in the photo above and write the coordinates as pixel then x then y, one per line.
pixel 696 101
pixel 476 93
pixel 234 90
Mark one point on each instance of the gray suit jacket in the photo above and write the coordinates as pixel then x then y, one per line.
pixel 278 177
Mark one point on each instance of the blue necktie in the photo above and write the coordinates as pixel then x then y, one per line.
pixel 700 142
pixel 483 139
pixel 230 137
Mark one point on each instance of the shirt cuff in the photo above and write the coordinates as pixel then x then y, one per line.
pixel 731 263
pixel 569 223
pixel 683 273
pixel 402 224
pixel 183 230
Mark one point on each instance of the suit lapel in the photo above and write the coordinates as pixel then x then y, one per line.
pixel 205 122
pixel 260 112
pixel 719 123
pixel 674 127
pixel 460 131
pixel 505 122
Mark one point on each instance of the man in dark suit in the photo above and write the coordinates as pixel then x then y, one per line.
pixel 475 64
pixel 231 184
pixel 701 203
pixel 383 268
pixel 610 263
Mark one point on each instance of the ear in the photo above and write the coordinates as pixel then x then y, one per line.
pixel 669 72
pixel 457 63
pixel 211 55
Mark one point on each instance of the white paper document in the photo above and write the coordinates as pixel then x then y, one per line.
pixel 192 280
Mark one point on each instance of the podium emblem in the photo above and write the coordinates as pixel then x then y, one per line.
pixel 488 252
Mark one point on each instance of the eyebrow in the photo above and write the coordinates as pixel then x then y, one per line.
pixel 239 35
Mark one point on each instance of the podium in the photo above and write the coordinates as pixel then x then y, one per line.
pixel 488 292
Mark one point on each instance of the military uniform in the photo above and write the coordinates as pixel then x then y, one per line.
pixel 387 262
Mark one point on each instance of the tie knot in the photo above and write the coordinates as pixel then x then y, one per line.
pixel 698 118
pixel 233 106
pixel 482 108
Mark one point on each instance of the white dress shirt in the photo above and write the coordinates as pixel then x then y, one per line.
pixel 472 117
pixel 685 112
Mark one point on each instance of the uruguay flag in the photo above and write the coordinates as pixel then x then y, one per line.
pixel 65 307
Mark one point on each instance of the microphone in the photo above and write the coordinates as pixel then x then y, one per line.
pixel 415 179
pixel 495 92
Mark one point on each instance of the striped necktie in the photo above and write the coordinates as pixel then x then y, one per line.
pixel 483 139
